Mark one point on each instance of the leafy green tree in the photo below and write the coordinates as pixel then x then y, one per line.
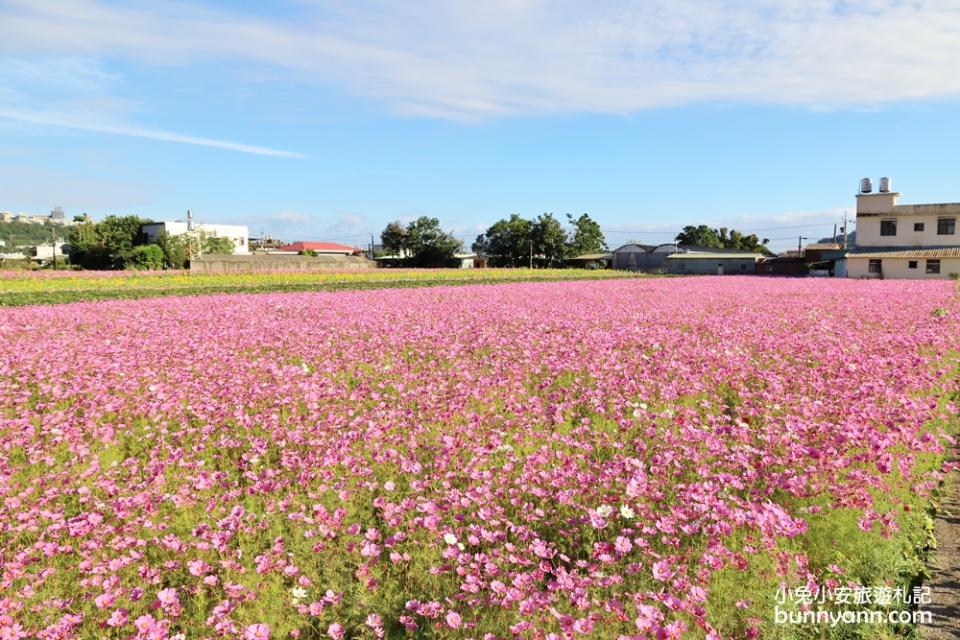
pixel 176 250
pixel 587 236
pixel 422 243
pixel 395 240
pixel 145 256
pixel 216 245
pixel 700 236
pixel 429 245
pixel 550 247
pixel 507 243
pixel 106 244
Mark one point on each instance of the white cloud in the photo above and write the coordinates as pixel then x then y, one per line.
pixel 70 121
pixel 450 59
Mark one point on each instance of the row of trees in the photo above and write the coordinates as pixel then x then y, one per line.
pixel 542 241
pixel 722 238
pixel 118 242
pixel 511 242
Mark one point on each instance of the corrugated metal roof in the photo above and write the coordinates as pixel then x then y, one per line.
pixel 594 256
pixel 712 256
pixel 823 246
pixel 907 252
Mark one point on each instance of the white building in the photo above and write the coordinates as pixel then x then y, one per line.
pixel 238 234
pixel 903 240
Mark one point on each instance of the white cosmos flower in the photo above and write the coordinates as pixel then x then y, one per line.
pixel 626 512
pixel 298 593
pixel 449 538
pixel 604 510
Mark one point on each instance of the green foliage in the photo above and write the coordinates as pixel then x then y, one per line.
pixel 722 238
pixel 18 235
pixel 586 237
pixel 543 242
pixel 106 244
pixel 394 239
pixel 508 243
pixel 550 246
pixel 176 250
pixel 145 256
pixel 216 245
pixel 422 243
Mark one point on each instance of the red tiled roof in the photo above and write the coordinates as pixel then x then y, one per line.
pixel 332 247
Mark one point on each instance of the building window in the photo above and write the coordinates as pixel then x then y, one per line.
pixel 912 264
pixel 743 267
pixel 242 241
pixel 946 226
pixel 874 266
pixel 918 226
pixel 933 266
pixel 888 227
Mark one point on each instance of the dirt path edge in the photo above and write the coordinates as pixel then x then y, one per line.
pixel 944 582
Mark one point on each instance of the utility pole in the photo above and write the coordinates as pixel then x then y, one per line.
pixel 531 254
pixel 53 238
pixel 371 245
pixel 834 233
pixel 844 228
pixel 800 240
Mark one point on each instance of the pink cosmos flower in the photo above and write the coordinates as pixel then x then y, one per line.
pixel 104 600
pixel 662 570
pixel 335 631
pixel 118 618
pixel 453 620
pixel 256 631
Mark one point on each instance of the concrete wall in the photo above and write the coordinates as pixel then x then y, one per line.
pixel 709 266
pixel 898 268
pixel 266 263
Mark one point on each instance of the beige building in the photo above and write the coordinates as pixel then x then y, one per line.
pixel 903 240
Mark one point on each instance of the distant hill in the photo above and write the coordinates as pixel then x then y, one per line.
pixel 17 234
pixel 851 239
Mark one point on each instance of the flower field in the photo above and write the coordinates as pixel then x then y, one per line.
pixel 19 288
pixel 645 458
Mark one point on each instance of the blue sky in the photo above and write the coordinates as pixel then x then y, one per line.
pixel 319 120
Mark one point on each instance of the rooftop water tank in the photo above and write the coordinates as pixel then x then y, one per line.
pixel 866 185
pixel 884 185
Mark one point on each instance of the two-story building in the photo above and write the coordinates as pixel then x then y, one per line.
pixel 237 234
pixel 903 240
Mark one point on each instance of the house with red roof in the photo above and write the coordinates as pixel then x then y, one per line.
pixel 322 248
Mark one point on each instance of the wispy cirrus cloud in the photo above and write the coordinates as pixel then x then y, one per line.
pixel 69 121
pixel 449 59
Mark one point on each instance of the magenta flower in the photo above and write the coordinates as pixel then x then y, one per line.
pixel 257 631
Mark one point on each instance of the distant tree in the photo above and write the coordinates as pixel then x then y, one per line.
pixel 722 238
pixel 429 245
pixel 507 243
pixel 106 244
pixel 550 243
pixel 701 236
pixel 586 237
pixel 422 243
pixel 176 250
pixel 216 245
pixel 394 239
pixel 18 235
pixel 145 256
